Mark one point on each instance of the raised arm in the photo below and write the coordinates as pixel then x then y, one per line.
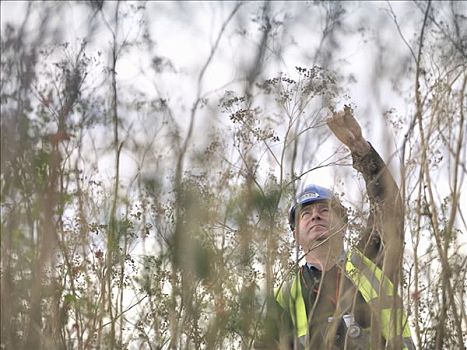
pixel 386 217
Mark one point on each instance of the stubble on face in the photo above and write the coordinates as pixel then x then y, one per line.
pixel 318 223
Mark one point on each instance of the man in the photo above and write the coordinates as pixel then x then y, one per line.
pixel 341 300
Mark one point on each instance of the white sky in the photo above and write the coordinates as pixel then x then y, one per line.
pixel 186 32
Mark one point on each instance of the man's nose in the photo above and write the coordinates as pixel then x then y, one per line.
pixel 315 214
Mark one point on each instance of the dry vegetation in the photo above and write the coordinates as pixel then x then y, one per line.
pixel 181 253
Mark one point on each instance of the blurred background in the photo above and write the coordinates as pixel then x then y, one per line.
pixel 150 152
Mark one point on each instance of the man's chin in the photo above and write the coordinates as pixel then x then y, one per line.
pixel 322 236
pixel 317 241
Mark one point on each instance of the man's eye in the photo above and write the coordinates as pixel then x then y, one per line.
pixel 305 214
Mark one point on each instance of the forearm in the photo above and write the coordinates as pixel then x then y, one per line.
pixel 386 215
pixel 382 190
pixel 381 187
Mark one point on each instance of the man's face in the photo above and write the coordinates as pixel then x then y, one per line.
pixel 318 222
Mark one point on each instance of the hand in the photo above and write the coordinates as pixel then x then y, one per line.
pixel 348 131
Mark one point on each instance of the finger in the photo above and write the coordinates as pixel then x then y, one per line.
pixel 335 116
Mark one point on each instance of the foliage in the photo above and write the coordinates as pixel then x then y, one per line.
pixel 125 224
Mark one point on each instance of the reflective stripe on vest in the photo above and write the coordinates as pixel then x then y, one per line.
pixel 290 298
pixel 376 289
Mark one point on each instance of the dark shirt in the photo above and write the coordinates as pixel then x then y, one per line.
pixel 321 303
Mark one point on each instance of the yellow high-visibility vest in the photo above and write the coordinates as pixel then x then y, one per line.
pixel 375 288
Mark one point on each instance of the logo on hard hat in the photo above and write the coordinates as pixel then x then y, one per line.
pixel 309 195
